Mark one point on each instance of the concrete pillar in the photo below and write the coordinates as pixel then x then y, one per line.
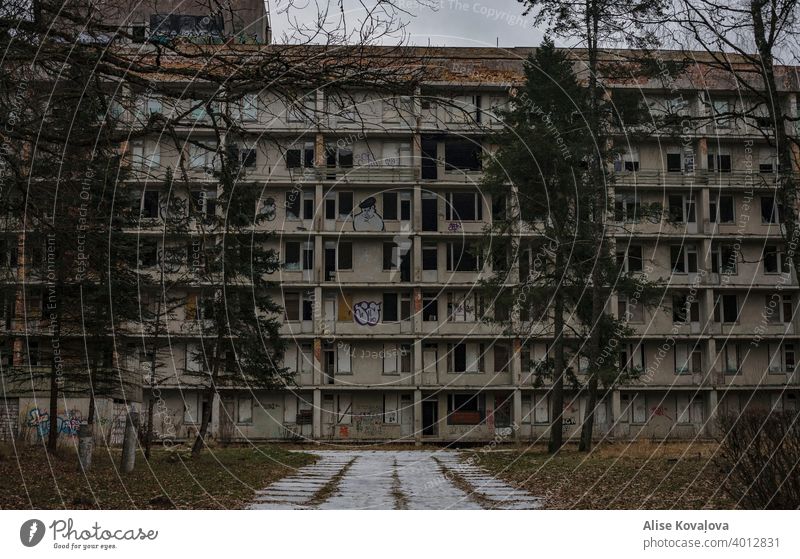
pixel 319 203
pixel 318 380
pixel 516 410
pixel 616 412
pixel 418 363
pixel 701 159
pixel 516 362
pixel 701 212
pixel 319 268
pixel 216 411
pixel 416 257
pixel 712 401
pixel 416 202
pixel 418 417
pixel 316 415
pixel 711 362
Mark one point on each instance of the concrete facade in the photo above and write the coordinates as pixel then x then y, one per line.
pixel 383 319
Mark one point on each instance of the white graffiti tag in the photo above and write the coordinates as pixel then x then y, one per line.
pixel 367 313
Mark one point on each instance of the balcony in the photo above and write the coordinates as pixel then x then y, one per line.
pixel 367 174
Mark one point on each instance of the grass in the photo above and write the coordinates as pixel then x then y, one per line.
pixel 641 475
pixel 220 478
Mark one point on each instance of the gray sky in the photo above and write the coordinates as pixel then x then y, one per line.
pixel 442 22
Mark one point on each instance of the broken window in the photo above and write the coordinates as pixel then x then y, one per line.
pixel 430 307
pixel 724 259
pixel 465 357
pixel 462 155
pixel 683 259
pixel 465 409
pixel 292 256
pixel 771 210
pixel 726 308
pixel 463 206
pixel 150 204
pixel 463 257
pixel 293 198
pixel 720 208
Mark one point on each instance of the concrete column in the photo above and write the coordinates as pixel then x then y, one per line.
pixel 616 412
pixel 319 214
pixel 416 201
pixel 712 401
pixel 490 412
pixel 216 411
pixel 516 362
pixel 417 355
pixel 701 212
pixel 416 257
pixel 317 362
pixel 319 268
pixel 319 317
pixel 316 415
pixel 516 407
pixel 711 362
pixel 418 417
pixel 701 159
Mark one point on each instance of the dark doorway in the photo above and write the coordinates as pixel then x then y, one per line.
pixel 405 265
pixel 430 417
pixel 329 364
pixel 330 264
pixel 430 211
pixel 429 159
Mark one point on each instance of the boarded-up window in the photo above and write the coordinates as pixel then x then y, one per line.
pixel 429 358
pixel 344 409
pixel 306 358
pixel 389 359
pixel 344 366
pixel 190 408
pixel 541 409
pixel 682 408
pixel 639 409
pixel 290 408
pixel 345 308
pixel 391 408
pixel 527 408
pixel 244 409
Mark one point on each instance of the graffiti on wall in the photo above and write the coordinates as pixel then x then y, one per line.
pixel 660 411
pixel 368 422
pixel 368 219
pixel 367 313
pixel 67 423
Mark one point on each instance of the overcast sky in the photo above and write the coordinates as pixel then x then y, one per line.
pixel 442 22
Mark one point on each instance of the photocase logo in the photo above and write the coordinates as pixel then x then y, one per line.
pixel 31 532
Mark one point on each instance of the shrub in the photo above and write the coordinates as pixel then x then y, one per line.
pixel 759 454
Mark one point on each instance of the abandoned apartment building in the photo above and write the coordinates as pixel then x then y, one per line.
pixel 379 213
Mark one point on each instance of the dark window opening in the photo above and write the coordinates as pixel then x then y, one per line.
pixel 674 163
pixel 430 307
pixel 462 155
pixel 390 309
pixel 389 206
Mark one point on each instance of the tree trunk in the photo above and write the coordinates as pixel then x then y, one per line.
pixel 557 391
pixel 129 442
pixel 598 226
pixel 52 435
pixel 151 403
pixel 788 188
pixel 199 441
pixel 148 437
